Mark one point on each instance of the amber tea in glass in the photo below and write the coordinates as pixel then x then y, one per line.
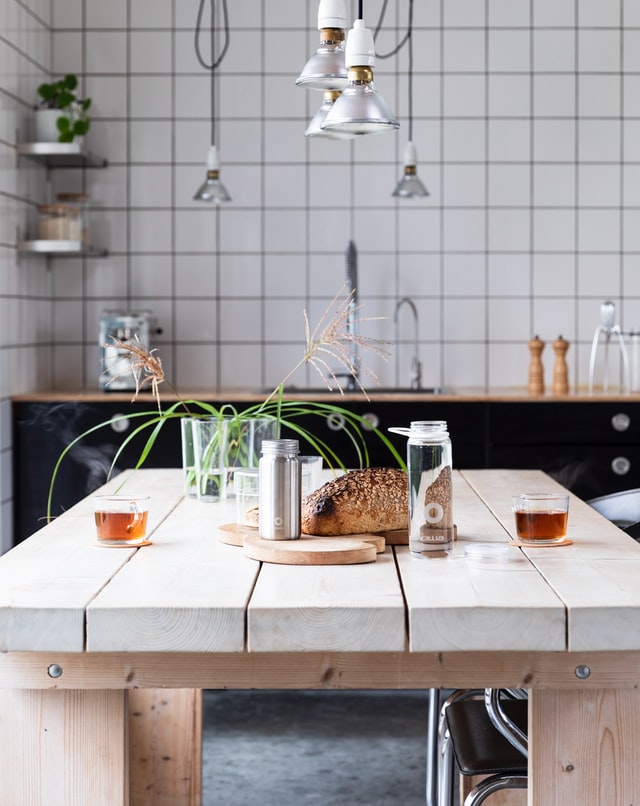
pixel 121 520
pixel 541 518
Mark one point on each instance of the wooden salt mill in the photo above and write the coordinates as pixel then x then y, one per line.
pixel 560 371
pixel 536 371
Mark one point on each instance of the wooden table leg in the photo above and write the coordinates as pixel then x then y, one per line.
pixel 165 747
pixel 63 747
pixel 584 747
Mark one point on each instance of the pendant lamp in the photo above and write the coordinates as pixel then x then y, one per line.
pixel 410 185
pixel 326 69
pixel 360 109
pixel 212 189
pixel 314 129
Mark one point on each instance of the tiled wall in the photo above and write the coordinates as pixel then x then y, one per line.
pixel 25 285
pixel 527 123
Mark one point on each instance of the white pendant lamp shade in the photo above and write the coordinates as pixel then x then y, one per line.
pixel 212 189
pixel 410 185
pixel 360 109
pixel 314 129
pixel 326 69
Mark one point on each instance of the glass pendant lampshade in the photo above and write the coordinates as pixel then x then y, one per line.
pixel 410 185
pixel 326 69
pixel 360 109
pixel 212 189
pixel 314 128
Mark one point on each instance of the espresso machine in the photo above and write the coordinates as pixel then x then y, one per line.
pixel 116 366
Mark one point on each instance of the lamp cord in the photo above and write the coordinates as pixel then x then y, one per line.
pixel 215 63
pixel 406 38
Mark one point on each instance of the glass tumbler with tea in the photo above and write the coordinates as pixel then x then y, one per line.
pixel 541 518
pixel 121 520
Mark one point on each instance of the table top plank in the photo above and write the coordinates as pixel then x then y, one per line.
pixel 455 604
pixel 187 592
pixel 340 607
pixel 596 577
pixel 48 581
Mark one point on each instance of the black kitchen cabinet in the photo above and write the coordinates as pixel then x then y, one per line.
pixel 466 422
pixel 591 447
pixel 42 430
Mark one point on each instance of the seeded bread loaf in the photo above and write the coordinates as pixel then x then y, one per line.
pixel 371 500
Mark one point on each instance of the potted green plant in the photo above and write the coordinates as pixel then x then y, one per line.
pixel 61 116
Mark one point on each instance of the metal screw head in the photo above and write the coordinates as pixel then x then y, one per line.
pixel 583 671
pixel 54 670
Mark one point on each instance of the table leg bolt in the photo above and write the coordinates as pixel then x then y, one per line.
pixel 583 672
pixel 54 670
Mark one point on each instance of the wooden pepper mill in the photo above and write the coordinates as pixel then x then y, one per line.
pixel 536 371
pixel 560 370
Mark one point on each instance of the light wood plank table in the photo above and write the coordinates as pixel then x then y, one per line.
pixel 103 652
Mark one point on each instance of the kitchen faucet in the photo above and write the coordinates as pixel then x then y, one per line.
pixel 352 317
pixel 415 380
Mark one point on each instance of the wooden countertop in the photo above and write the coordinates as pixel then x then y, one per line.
pixel 463 394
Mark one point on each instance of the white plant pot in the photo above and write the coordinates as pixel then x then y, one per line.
pixel 44 125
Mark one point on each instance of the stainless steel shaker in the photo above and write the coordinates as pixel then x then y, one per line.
pixel 279 490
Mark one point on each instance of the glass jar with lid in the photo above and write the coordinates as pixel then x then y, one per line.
pixel 79 226
pixel 58 222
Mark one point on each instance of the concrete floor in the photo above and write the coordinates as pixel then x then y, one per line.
pixel 337 748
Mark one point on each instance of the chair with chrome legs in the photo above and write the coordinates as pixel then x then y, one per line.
pixel 485 732
pixel 622 508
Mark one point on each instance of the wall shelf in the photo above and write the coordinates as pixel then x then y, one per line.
pixel 62 248
pixel 61 155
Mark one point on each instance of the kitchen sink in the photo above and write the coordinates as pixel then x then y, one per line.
pixel 372 390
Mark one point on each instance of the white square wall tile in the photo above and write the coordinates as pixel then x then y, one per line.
pixel 196 366
pixel 554 50
pixel 509 13
pixel 196 320
pixel 509 319
pixel 463 51
pixel 509 140
pixel 240 276
pixel 150 186
pixel 106 52
pixel 599 185
pixel 241 320
pixel 509 185
pixel 554 13
pixel 151 231
pixel 509 275
pixel 196 276
pixel 509 95
pixel 554 275
pixel 599 51
pixel 509 50
pixel 599 275
pixel 554 230
pixel 599 95
pixel 106 15
pixel 240 366
pixel 463 140
pixel 66 52
pixel 285 276
pixel 464 319
pixel 599 141
pixel 509 230
pixel 554 185
pixel 506 366
pixel 284 321
pixel 464 365
pixel 596 14
pixel 150 52
pixel 598 230
pixel 151 276
pixel 464 95
pixel 463 185
pixel 463 13
pixel 464 275
pixel 151 14
pixel 631 182
pixel 553 318
pixel 464 230
pixel 554 96
pixel 554 140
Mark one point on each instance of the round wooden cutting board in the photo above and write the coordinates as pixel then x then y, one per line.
pixel 313 550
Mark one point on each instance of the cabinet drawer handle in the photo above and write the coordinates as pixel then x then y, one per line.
pixel 621 465
pixel 371 421
pixel 336 422
pixel 119 423
pixel 620 421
